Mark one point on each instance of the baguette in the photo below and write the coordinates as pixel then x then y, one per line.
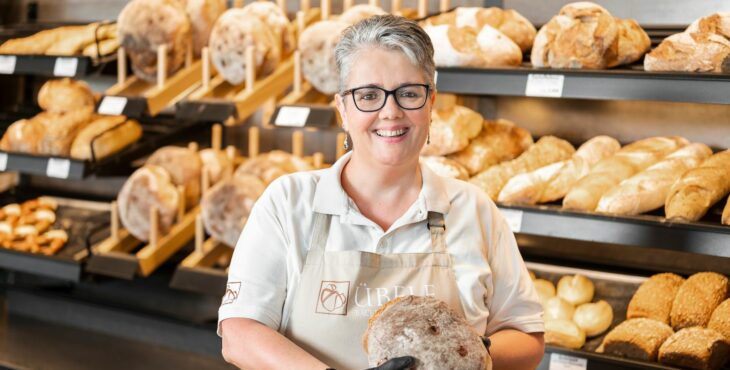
pixel 547 150
pixel 499 141
pixel 112 133
pixel 551 182
pixel 628 161
pixel 698 189
pixel 73 41
pixel 648 190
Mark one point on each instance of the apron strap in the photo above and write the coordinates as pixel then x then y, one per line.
pixel 320 232
pixel 437 227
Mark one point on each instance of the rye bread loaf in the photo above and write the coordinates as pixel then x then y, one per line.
pixel 226 206
pixel 637 339
pixel 184 167
pixel 695 348
pixel 426 329
pixel 203 14
pixel 499 141
pixel 697 298
pixel 150 186
pixel 654 297
pixel 317 45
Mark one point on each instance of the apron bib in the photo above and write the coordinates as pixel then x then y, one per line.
pixel 339 291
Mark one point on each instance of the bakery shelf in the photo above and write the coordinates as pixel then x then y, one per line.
pixel 203 280
pixel 46 65
pixel 562 358
pixel 613 84
pixel 703 238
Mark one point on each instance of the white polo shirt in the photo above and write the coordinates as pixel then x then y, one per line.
pixel 495 288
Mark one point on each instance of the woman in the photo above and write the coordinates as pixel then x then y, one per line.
pixel 310 266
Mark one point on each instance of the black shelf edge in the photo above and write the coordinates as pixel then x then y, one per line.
pixel 45 65
pixel 204 280
pixel 133 106
pixel 592 361
pixel 615 84
pixel 637 231
pixel 205 110
pixel 41 165
pixel 48 266
pixel 117 266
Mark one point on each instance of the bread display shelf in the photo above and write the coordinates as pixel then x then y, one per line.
pixel 197 272
pixel 615 84
pixel 555 357
pixel 79 219
pixel 640 231
pixel 46 65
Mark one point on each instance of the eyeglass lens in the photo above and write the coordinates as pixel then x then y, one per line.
pixel 373 98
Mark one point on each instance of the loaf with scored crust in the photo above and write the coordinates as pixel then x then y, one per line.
pixel 698 189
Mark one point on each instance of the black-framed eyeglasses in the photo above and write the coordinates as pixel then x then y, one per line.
pixel 373 98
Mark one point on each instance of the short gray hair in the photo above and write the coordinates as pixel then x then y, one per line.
pixel 389 32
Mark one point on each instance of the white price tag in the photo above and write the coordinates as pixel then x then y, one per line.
pixel 565 362
pixel 58 167
pixel 292 116
pixel 65 67
pixel 544 85
pixel 112 105
pixel 7 64
pixel 3 161
pixel 513 217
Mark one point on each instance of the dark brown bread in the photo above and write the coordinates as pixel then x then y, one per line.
pixel 695 348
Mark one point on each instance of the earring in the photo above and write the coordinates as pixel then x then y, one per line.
pixel 428 138
pixel 346 144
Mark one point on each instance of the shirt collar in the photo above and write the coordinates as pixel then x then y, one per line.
pixel 330 197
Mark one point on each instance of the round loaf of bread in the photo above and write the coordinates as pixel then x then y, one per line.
pixel 270 166
pixel 59 96
pixel 226 206
pixel 455 47
pixel 499 50
pixel 359 12
pixel 149 186
pixel 272 15
pixel 428 330
pixel 317 45
pixel 593 318
pixel 576 289
pixel 217 164
pixel 557 308
pixel 184 167
pixel 445 167
pixel 507 21
pixel 203 14
pixel 145 25
pixel 232 34
pixel 23 136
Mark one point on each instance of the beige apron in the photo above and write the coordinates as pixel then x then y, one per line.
pixel 338 292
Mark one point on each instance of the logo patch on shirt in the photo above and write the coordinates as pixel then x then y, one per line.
pixel 332 299
pixel 232 290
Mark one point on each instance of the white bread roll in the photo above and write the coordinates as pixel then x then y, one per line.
pixel 272 15
pixel 551 182
pixel 699 188
pixel 144 25
pixel 184 167
pixel 359 12
pixel 23 136
pixel 226 206
pixel 203 14
pixel 647 190
pixel 628 161
pixel 64 95
pixel 110 134
pixel 451 129
pixel 545 290
pixel 232 34
pixel 576 289
pixel 498 49
pixel 547 150
pixel 147 187
pixel 317 45
pixel 564 333
pixel 557 308
pixel 499 141
pixel 445 167
pixel 593 318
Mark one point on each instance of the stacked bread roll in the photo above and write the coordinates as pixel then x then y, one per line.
pixel 68 126
pixel 703 47
pixel 696 308
pixel 67 41
pixel 585 35
pixel 479 37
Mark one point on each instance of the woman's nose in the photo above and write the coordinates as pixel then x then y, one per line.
pixel 391 109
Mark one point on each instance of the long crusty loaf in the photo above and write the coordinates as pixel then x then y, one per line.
pixel 551 182
pixel 499 141
pixel 697 298
pixel 108 134
pixel 547 150
pixel 695 348
pixel 631 159
pixel 637 339
pixel 647 190
pixel 654 297
pixel 698 189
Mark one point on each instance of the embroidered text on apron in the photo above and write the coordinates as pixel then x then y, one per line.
pixel 338 292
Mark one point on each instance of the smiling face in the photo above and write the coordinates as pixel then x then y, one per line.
pixel 391 136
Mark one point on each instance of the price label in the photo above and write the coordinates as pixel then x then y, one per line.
pixel 292 116
pixel 7 64
pixel 3 161
pixel 65 67
pixel 58 168
pixel 513 217
pixel 112 105
pixel 564 362
pixel 544 85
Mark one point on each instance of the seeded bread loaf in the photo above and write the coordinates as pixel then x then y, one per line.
pixel 695 348
pixel 426 329
pixel 720 320
pixel 637 339
pixel 697 298
pixel 654 297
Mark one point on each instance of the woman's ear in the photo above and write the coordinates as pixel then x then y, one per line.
pixel 433 96
pixel 340 105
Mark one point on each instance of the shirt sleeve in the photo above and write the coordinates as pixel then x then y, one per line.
pixel 513 303
pixel 257 276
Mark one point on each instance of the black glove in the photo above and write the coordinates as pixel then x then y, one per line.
pixel 398 363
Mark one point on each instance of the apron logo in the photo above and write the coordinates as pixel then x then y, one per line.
pixel 332 298
pixel 231 294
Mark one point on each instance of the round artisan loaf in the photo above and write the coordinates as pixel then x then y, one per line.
pixel 144 25
pixel 272 165
pixel 272 15
pixel 149 186
pixel 507 21
pixel 427 329
pixel 226 206
pixel 59 96
pixel 317 45
pixel 185 168
pixel 359 12
pixel 455 47
pixel 203 14
pixel 217 164
pixel 23 136
pixel 445 167
pixel 233 33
